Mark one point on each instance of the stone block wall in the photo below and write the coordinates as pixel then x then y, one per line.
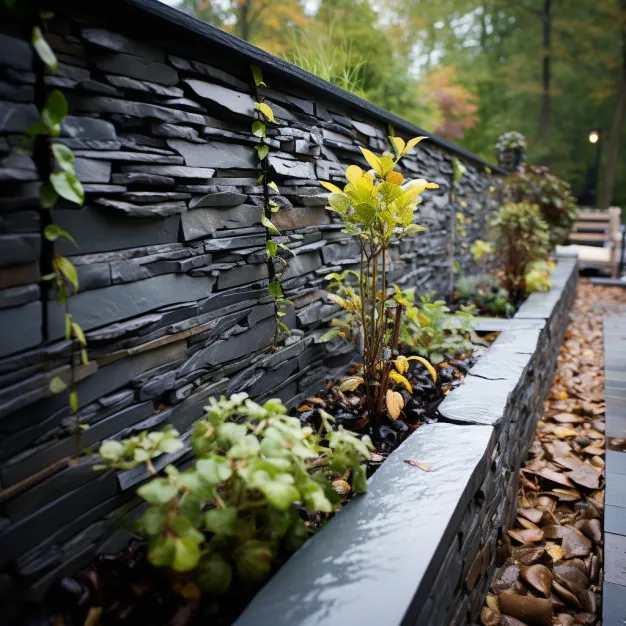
pixel 170 253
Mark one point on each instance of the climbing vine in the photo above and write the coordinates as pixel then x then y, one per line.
pixel 56 166
pixel 264 116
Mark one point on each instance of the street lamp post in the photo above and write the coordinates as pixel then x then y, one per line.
pixel 594 136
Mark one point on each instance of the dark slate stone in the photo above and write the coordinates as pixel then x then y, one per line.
pixel 118 43
pixel 364 128
pixel 16 296
pixel 233 101
pixel 241 276
pixel 179 132
pixel 311 589
pixel 232 348
pixel 141 110
pixel 19 249
pixel 232 243
pixel 86 127
pixel 111 304
pixel 300 217
pixel 203 222
pixel 21 328
pixel 293 169
pixel 16 93
pixel 226 198
pixel 96 230
pixel 161 209
pixel 16 53
pixel 215 154
pixel 17 118
pixel 145 86
pixel 212 72
pixel 147 197
pixel 137 178
pixel 135 157
pixel 91 171
pixel 175 171
pixel 302 264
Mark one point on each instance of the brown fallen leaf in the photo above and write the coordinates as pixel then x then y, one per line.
pixel 565 431
pixel 529 610
pixel 395 404
pixel 526 535
pixel 567 418
pixel 539 577
pixel 585 476
pixel 423 466
pixel 574 543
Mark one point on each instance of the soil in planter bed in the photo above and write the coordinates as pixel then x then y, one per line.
pixel 552 557
pixel 125 590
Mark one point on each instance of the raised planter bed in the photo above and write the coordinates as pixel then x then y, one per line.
pixel 421 547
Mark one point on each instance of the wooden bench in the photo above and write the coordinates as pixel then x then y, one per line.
pixel 597 238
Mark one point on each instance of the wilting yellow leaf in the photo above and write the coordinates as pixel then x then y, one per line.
pixel 395 404
pixel 432 371
pixel 330 187
pixel 399 143
pixel 398 378
pixel 402 364
pixel 344 304
pixel 350 384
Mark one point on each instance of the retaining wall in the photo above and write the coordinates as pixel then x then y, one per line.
pixel 171 253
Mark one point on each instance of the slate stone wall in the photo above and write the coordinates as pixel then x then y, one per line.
pixel 170 256
pixel 420 548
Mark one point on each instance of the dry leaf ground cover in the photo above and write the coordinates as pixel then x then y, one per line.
pixel 553 569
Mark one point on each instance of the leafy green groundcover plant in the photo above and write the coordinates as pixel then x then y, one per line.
pixel 485 292
pixel 433 332
pixel 259 475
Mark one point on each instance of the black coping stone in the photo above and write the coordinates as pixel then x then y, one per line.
pixel 400 530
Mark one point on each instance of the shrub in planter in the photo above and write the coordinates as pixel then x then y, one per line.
pixel 430 330
pixel 535 184
pixel 484 291
pixel 521 237
pixel 538 276
pixel 378 207
pixel 258 479
pixel 510 149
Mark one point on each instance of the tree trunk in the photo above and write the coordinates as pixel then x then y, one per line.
pixel 614 136
pixel 544 118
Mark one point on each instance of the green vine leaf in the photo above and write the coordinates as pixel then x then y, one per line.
pixel 271 248
pixel 275 289
pixel 52 232
pixel 273 186
pixel 283 328
pixel 259 129
pixel 64 157
pixel 266 111
pixel 262 151
pixel 43 50
pixel 268 224
pixel 54 112
pixel 57 385
pixel 257 74
pixel 73 401
pixel 67 270
pixel 47 196
pixel 79 334
pixel 68 187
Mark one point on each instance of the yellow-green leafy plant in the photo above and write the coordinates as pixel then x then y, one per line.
pixel 521 237
pixel 481 249
pixel 430 330
pixel 538 276
pixel 257 478
pixel 378 207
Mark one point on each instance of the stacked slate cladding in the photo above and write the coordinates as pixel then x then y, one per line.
pixel 171 264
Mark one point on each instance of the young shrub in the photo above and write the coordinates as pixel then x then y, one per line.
pixel 258 475
pixel 378 207
pixel 484 291
pixel 431 331
pixel 521 237
pixel 535 184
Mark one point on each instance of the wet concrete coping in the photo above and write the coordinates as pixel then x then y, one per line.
pixel 416 541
